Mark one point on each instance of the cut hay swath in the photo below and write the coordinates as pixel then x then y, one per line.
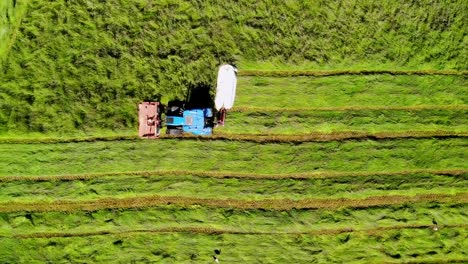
pixel 228 174
pixel 336 136
pixel 259 138
pixel 267 204
pixel 218 231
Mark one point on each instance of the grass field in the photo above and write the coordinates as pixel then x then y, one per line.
pixel 375 173
pixel 347 142
pixel 84 65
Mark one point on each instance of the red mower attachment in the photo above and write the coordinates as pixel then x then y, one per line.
pixel 149 119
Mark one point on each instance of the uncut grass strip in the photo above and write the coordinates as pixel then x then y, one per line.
pixel 240 175
pixel 267 204
pixel 217 231
pixel 321 73
pixel 348 108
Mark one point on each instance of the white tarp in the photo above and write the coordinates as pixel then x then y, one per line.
pixel 226 87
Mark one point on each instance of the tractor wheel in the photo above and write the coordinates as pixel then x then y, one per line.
pixel 209 122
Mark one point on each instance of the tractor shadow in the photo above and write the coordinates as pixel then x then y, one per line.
pixel 199 97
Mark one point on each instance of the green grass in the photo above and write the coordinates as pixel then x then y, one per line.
pixel 194 155
pixel 252 189
pixel 357 91
pixel 309 121
pixel 72 73
pixel 233 219
pixel 11 13
pixel 84 65
pixel 381 103
pixel 379 245
pixel 418 245
pixel 188 234
pixel 278 65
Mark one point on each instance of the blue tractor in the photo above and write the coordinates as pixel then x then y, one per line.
pixel 196 121
pixel 195 114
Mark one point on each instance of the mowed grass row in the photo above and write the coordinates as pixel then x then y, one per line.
pixel 417 245
pixel 401 231
pixel 253 137
pixel 233 219
pixel 217 231
pixel 130 186
pixel 351 91
pixel 309 121
pixel 233 156
pixel 266 204
pixel 236 175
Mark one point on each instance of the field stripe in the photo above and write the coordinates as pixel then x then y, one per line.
pixel 53 140
pixel 261 138
pixel 248 109
pixel 217 231
pixel 227 174
pixel 268 204
pixel 323 73
pixel 334 136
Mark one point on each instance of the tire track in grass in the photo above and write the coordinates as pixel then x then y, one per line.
pixel 323 73
pixel 262 138
pixel 267 204
pixel 217 231
pixel 227 174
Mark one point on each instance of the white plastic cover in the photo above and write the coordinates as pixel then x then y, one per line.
pixel 226 87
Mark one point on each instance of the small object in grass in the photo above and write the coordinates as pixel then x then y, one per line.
pixel 217 251
pixel 435 227
pixel 216 259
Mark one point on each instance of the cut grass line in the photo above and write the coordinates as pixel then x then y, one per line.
pixel 259 138
pixel 349 108
pixel 226 174
pixel 321 73
pixel 334 136
pixel 267 204
pixel 53 140
pixel 217 231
